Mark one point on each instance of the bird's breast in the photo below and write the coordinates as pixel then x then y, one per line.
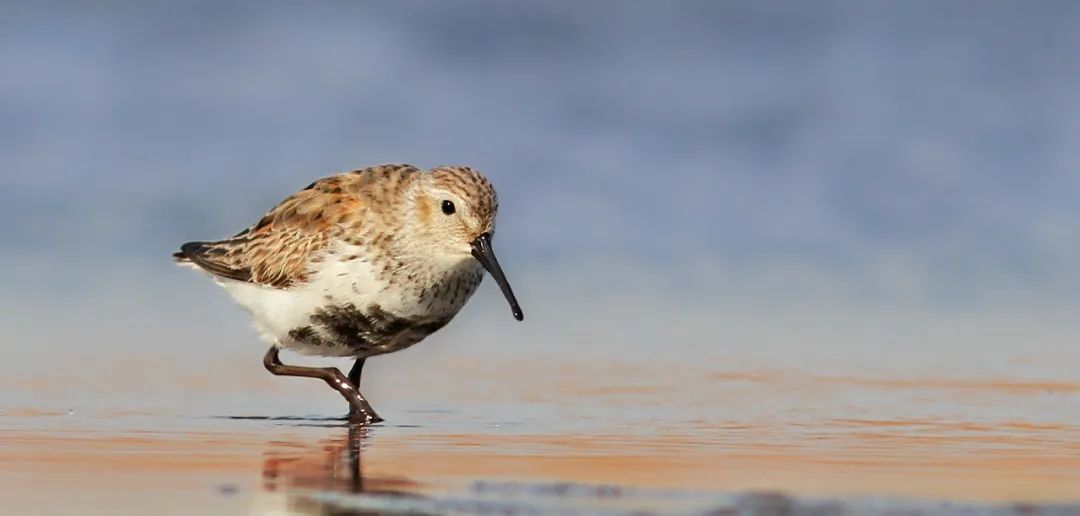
pixel 402 288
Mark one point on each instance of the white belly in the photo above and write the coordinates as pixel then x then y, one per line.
pixel 278 311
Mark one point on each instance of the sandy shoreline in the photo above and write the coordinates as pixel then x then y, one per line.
pixel 56 462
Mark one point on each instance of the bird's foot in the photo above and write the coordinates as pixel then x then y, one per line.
pixel 364 417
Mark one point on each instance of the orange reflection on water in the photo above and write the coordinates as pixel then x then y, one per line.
pixel 1000 439
pixel 883 457
pixel 865 457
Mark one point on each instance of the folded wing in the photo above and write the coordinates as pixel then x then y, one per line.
pixel 277 250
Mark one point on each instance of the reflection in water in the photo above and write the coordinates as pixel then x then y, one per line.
pixel 329 478
pixel 334 466
pixel 728 436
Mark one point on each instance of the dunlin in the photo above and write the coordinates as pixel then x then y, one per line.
pixel 360 264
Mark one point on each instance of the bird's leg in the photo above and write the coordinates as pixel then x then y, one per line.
pixel 354 379
pixel 359 407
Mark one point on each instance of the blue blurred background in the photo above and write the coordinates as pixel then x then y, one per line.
pixel 835 185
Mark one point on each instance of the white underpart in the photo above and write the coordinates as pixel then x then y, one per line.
pixel 277 311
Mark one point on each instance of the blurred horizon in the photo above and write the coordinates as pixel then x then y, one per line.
pixel 843 185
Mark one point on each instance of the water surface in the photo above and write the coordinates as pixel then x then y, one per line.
pixel 614 441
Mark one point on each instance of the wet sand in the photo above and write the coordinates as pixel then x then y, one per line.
pixel 714 433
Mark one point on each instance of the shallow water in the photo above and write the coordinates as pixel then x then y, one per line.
pixel 612 442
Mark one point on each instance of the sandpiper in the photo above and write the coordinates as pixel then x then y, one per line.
pixel 360 264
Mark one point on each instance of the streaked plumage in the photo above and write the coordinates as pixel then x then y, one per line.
pixel 361 263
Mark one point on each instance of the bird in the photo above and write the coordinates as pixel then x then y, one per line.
pixel 359 264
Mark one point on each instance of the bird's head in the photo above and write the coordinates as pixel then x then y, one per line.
pixel 455 209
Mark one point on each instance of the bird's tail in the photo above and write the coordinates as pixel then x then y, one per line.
pixel 215 258
pixel 187 251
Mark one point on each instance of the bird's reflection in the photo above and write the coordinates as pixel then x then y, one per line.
pixel 334 465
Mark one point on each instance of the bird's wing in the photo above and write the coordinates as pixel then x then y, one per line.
pixel 277 250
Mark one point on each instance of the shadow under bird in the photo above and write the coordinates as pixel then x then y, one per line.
pixel 360 264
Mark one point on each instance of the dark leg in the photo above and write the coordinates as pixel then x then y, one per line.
pixel 354 373
pixel 354 379
pixel 360 409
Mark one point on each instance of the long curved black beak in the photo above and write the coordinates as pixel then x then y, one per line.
pixel 482 251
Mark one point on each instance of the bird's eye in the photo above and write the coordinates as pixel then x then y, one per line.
pixel 448 207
